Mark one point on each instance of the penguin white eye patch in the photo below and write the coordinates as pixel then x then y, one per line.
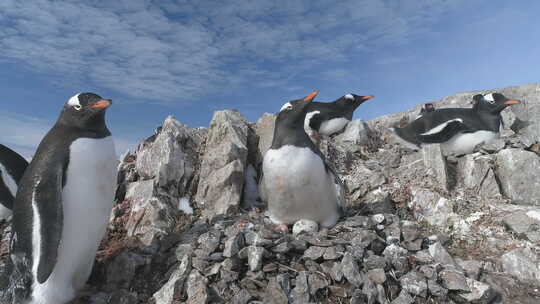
pixel 489 98
pixel 74 102
pixel 287 106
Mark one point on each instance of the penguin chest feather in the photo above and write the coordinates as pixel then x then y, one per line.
pixel 87 199
pixel 464 143
pixel 333 125
pixel 297 186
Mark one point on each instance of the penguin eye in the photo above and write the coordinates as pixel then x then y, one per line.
pixel 286 107
pixel 77 107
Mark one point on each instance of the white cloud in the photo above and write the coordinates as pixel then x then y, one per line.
pixel 177 50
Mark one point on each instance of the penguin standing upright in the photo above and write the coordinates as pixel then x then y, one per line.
pixel 458 130
pixel 297 182
pixel 327 118
pixel 12 166
pixel 63 204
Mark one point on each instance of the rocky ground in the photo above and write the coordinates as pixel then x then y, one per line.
pixel 188 227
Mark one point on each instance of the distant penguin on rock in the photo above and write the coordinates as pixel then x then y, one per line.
pixel 297 183
pixel 428 107
pixel 63 205
pixel 12 166
pixel 458 130
pixel 327 118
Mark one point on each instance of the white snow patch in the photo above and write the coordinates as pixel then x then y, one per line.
pixel 534 214
pixel 183 205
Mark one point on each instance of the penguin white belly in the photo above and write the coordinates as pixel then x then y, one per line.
pixel 464 143
pixel 87 200
pixel 333 125
pixel 297 186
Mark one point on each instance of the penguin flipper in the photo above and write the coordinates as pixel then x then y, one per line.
pixel 47 205
pixel 339 185
pixel 444 132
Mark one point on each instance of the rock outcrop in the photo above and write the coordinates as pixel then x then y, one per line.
pixel 418 227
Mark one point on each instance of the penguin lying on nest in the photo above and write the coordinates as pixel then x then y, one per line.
pixel 12 166
pixel 458 130
pixel 297 183
pixel 327 118
pixel 62 206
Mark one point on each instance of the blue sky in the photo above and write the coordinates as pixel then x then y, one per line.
pixel 190 58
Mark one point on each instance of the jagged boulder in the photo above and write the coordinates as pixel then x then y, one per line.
pixel 223 164
pixel 519 175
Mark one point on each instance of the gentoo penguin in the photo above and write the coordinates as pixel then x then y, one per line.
pixel 297 183
pixel 428 107
pixel 12 166
pixel 63 204
pixel 458 130
pixel 327 118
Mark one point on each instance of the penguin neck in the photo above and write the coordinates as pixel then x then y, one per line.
pixel 492 120
pixel 290 134
pixel 93 127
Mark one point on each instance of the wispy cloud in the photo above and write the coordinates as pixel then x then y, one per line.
pixel 173 51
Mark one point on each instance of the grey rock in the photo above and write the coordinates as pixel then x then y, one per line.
pixel 183 250
pixel 520 181
pixel 350 270
pixel 300 293
pixel 377 218
pixel 233 245
pixel 475 173
pixel 265 131
pixel 282 247
pixel 333 253
pixel 524 223
pixel 209 241
pixel 255 257
pixel 174 287
pixel 403 298
pixel 316 282
pixel 436 290
pixel 151 219
pixel 362 180
pixel 509 289
pixel 171 159
pixel 121 271
pixel 423 257
pixel 440 255
pixel 374 262
pixel 435 162
pixel 274 294
pixel 471 268
pixel 431 207
pixel 523 264
pixel 377 275
pixel 197 289
pixel 453 279
pixel 381 295
pixel 370 292
pixel 314 252
pixel 398 258
pixel 243 297
pixel 305 226
pixel 409 231
pixel 254 238
pixel 429 271
pixel 223 164
pixel 480 293
pixel 414 283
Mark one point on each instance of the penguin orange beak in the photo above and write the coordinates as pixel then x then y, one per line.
pixel 311 96
pixel 102 104
pixel 364 98
pixel 511 102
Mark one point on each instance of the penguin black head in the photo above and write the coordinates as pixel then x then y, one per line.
pixel 428 107
pixel 352 100
pixel 492 102
pixel 293 112
pixel 86 111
